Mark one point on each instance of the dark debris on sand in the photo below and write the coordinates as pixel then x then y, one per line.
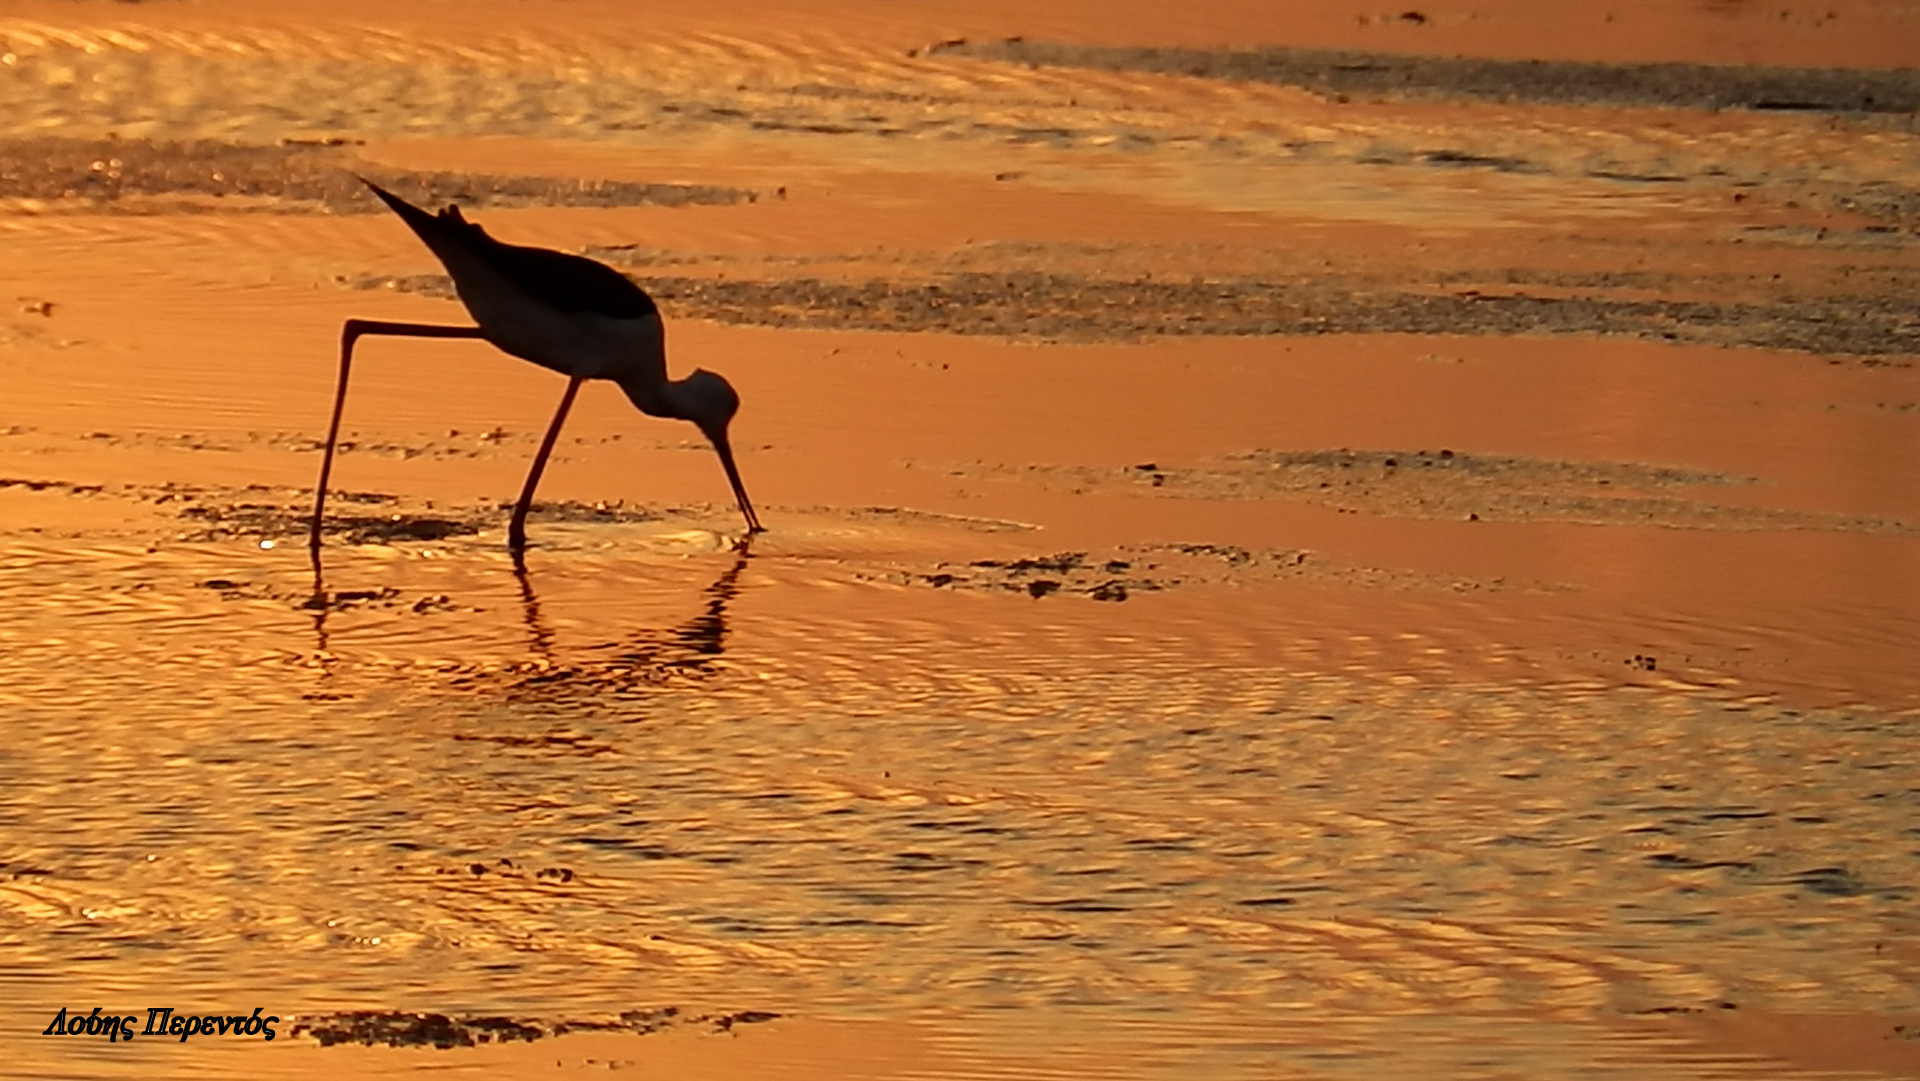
pixel 1447 485
pixel 1112 577
pixel 222 520
pixel 162 176
pixel 1072 307
pixel 396 1028
pixel 1334 72
pixel 247 513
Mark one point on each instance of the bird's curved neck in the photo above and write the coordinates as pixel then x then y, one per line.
pixel 655 395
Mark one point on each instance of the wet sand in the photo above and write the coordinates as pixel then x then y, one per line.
pixel 1305 549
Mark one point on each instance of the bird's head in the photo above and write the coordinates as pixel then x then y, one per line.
pixel 709 401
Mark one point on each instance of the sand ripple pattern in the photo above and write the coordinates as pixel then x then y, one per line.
pixel 260 85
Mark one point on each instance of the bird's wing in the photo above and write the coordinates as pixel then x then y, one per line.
pixel 569 283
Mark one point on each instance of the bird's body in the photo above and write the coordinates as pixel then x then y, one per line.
pixel 565 313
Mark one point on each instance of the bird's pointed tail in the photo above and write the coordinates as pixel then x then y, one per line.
pixel 421 222
pixel 444 232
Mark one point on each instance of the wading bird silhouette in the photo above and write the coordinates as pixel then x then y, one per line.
pixel 568 313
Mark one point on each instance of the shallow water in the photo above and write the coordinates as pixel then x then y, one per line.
pixel 728 808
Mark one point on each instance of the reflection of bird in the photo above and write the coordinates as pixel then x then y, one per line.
pixel 580 318
pixel 689 646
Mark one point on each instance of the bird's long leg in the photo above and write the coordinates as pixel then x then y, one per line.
pixel 351 332
pixel 517 529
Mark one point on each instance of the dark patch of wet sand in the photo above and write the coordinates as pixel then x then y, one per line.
pixel 394 1028
pixel 1340 72
pixel 1073 308
pixel 162 176
pixel 1443 484
pixel 1129 570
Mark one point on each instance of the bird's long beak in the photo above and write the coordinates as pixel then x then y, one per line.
pixel 725 450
